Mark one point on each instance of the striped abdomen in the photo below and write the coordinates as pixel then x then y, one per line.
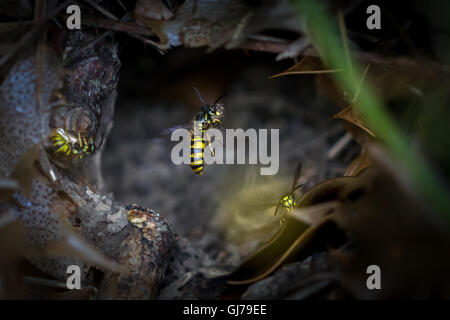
pixel 197 148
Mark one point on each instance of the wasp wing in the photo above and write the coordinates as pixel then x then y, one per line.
pixel 258 206
pixel 199 95
pixel 188 126
pixel 220 98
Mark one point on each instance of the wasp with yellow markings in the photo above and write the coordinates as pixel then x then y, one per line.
pixel 287 200
pixel 76 133
pixel 209 116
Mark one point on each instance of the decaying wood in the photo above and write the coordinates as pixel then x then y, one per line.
pixel 142 252
pixel 80 219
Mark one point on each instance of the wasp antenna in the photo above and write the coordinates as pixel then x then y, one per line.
pixel 220 98
pixel 199 96
pixel 98 119
pixel 276 210
pixel 100 144
pixel 298 170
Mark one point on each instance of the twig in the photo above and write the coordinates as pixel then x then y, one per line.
pixel 127 27
pixel 105 12
pixel 28 37
pixel 45 282
pixel 261 44
pixel 373 58
pixel 122 5
pixel 266 46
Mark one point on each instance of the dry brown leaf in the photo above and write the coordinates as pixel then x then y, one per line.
pixel 307 65
pixel 351 115
pixel 361 162
pixel 388 82
pixel 289 240
pixel 313 215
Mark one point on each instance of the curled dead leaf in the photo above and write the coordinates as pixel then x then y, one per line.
pixel 314 214
pixel 350 114
pixel 361 162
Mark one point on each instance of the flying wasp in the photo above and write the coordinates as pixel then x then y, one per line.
pixel 287 200
pixel 209 116
pixel 74 137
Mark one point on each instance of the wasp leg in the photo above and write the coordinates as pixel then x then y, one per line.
pixel 210 140
pixel 99 145
pixel 209 144
pixel 283 217
pixel 276 210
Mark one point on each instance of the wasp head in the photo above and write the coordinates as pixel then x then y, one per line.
pixel 288 201
pixel 217 113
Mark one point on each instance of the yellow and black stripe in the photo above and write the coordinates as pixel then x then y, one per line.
pixel 70 145
pixel 210 116
pixel 197 149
